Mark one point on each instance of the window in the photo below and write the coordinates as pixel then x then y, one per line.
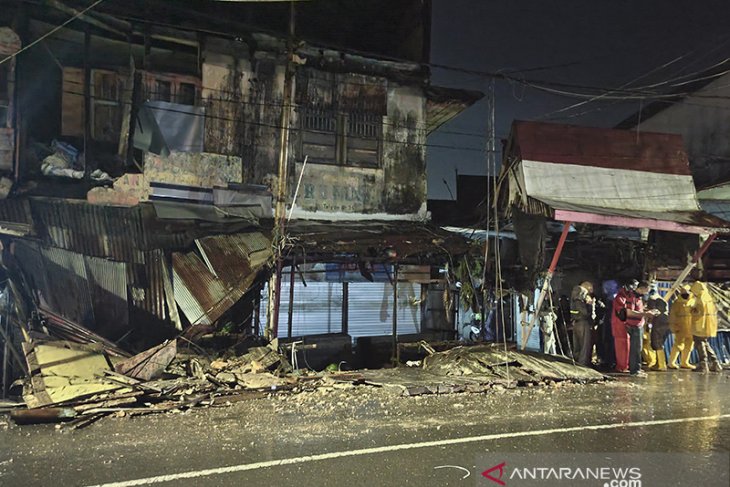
pixel 352 139
pixel 162 91
pixel 171 88
pixel 106 115
pixel 341 117
pixel 186 94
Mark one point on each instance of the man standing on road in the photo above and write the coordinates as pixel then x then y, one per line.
pixel 582 314
pixel 628 320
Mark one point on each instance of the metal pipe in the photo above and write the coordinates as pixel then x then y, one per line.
pixel 546 282
pixel 395 314
pixel 290 318
pixel 345 307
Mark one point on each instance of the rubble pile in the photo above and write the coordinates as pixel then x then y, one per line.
pixel 78 384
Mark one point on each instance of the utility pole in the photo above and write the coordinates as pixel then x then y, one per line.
pixel 274 301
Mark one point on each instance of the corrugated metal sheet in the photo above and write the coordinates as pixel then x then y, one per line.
pixel 147 284
pixel 86 290
pixel 100 231
pixel 201 296
pixel 108 286
pixel 16 211
pixel 68 286
pixel 205 288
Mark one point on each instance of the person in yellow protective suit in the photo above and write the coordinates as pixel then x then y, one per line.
pixel 704 327
pixel 680 323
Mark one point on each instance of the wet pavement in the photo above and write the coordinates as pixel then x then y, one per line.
pixel 367 436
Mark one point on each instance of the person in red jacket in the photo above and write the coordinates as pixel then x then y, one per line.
pixel 627 320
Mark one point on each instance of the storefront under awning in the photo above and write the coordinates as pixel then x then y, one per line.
pixel 604 177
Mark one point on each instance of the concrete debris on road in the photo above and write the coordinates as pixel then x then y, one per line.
pixel 77 384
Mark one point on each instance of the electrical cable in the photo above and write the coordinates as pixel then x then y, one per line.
pixel 51 32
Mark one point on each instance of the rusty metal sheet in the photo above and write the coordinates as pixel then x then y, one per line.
pixel 443 104
pixel 600 147
pixel 149 364
pixel 232 257
pixel 100 231
pixel 207 287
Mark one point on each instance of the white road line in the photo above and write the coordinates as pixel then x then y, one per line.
pixel 390 448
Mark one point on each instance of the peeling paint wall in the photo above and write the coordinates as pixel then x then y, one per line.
pixel 9 44
pixel 191 169
pixel 404 151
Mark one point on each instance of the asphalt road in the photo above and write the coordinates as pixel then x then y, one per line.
pixel 376 439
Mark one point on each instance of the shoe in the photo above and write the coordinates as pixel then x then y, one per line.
pixel 673 366
pixel 640 373
pixel 658 369
pixel 621 371
pixel 687 367
pixel 715 368
pixel 702 369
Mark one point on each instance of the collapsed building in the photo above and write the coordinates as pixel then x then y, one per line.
pixel 152 156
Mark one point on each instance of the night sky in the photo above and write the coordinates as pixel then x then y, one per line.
pixel 597 43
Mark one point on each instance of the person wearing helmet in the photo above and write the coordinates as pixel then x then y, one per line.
pixel 680 323
pixel 704 327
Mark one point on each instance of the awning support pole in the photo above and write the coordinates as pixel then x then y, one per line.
pixel 546 282
pixel 692 264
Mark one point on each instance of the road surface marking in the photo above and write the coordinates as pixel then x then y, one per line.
pixel 390 448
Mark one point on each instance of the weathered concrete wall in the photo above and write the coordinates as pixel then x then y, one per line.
pixel 187 168
pixel 404 150
pixel 340 189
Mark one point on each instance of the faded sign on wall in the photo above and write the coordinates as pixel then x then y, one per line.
pixel 340 189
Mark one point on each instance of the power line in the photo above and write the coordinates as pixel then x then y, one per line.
pixel 297 129
pixel 51 32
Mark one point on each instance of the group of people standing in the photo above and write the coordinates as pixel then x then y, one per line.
pixel 636 313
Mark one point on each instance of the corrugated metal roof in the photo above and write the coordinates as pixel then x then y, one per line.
pixel 600 147
pixel 147 283
pixel 100 231
pixel 605 176
pixel 231 257
pixel 205 288
pixel 108 290
pixel 68 285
